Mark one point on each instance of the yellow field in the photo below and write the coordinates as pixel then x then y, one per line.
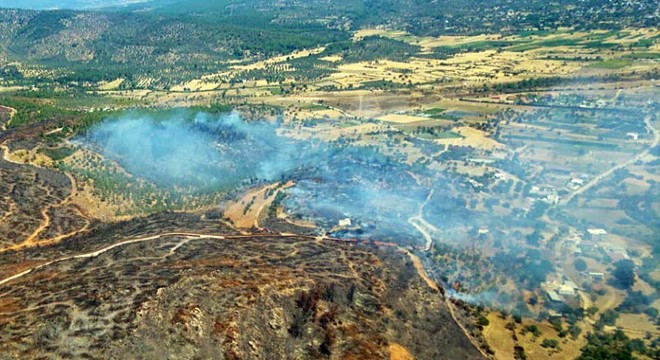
pixel 426 42
pixel 636 325
pixel 501 341
pixel 398 352
pixel 331 133
pixel 111 85
pixel 490 65
pixel 519 59
pixel 402 118
pixel 245 218
pixel 10 88
pixel 499 338
pixel 219 80
pixel 471 137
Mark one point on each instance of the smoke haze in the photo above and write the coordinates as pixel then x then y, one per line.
pixel 205 152
pixel 221 152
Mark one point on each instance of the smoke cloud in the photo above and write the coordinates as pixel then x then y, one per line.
pixel 220 152
pixel 385 198
pixel 203 151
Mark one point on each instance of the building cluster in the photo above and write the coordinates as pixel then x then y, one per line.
pixel 547 194
pixel 594 243
pixel 591 243
pixel 561 292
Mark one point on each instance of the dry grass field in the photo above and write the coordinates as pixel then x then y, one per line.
pixel 480 60
pixel 246 212
pixel 502 340
pixel 453 109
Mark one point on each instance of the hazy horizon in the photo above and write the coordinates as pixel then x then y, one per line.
pixel 66 4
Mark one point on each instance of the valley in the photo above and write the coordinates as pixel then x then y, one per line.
pixel 340 180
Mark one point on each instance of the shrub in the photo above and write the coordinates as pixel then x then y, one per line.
pixel 550 343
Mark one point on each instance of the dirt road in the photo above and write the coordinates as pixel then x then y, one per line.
pixel 419 223
pixel 92 254
pixel 32 239
pixel 189 237
pixel 11 111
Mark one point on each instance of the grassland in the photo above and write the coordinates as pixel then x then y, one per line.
pixel 499 124
pixel 467 60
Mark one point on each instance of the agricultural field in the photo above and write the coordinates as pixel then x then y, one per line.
pixel 330 180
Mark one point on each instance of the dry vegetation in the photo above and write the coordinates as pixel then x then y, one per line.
pixel 312 299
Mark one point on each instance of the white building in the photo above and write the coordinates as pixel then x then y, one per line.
pixel 597 232
pixel 552 199
pixel 500 175
pixel 553 296
pixel 566 290
pixel 571 284
pixel 596 275
pixel 577 181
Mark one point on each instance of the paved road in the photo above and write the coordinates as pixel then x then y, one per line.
pixel 599 178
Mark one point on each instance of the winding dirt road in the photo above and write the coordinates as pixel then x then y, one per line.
pixel 419 223
pixel 32 239
pixel 11 111
pixel 189 237
pixel 425 228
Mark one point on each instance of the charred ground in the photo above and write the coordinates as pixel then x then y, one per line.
pixel 175 291
pixel 247 297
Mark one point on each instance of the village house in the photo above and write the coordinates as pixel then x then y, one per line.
pixel 596 276
pixel 552 199
pixel 597 232
pixel 553 296
pixel 500 175
pixel 566 290
pixel 575 183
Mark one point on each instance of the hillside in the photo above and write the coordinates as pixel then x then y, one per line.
pixel 333 179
